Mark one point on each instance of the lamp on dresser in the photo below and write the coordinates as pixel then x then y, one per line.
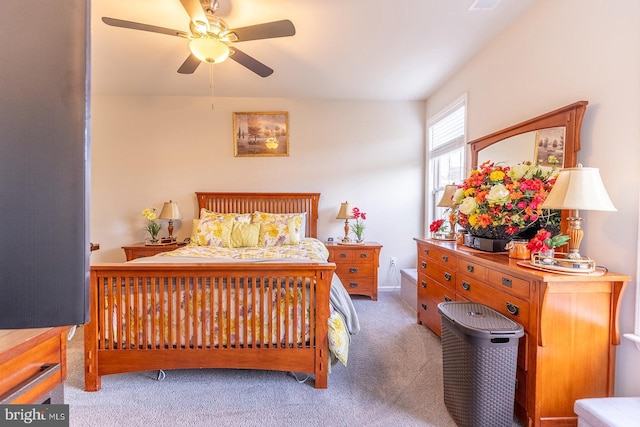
pixel 447 202
pixel 171 212
pixel 578 189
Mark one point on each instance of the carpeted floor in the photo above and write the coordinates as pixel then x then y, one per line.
pixel 393 378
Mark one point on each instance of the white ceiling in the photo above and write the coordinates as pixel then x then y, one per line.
pixel 343 49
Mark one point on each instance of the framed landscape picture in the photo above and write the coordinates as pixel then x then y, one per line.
pixel 261 134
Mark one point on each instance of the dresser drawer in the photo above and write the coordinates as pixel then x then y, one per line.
pixel 428 304
pixel 509 283
pixel 521 388
pixel 472 269
pixel 511 306
pixel 439 256
pixel 442 274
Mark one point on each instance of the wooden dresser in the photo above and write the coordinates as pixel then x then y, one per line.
pixel 571 323
pixel 140 250
pixel 33 365
pixel 357 267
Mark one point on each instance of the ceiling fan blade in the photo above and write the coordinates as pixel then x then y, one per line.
pixel 143 27
pixel 189 65
pixel 195 11
pixel 267 30
pixel 251 63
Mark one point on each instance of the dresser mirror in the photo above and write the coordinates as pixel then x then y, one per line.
pixel 550 139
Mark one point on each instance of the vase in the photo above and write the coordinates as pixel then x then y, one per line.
pixel 546 256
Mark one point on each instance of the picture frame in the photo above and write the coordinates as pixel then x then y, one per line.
pixel 549 148
pixel 258 134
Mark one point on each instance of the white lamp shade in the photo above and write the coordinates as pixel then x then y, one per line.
pixel 209 49
pixel 170 211
pixel 446 200
pixel 345 211
pixel 579 189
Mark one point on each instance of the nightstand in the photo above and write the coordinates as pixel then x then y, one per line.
pixel 357 267
pixel 139 250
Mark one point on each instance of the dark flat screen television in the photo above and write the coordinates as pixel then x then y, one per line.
pixel 44 164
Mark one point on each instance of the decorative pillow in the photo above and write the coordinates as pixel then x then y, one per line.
pixel 211 232
pixel 206 214
pixel 244 235
pixel 278 229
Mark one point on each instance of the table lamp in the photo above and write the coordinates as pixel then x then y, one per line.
pixel 578 189
pixel 447 202
pixel 170 211
pixel 345 213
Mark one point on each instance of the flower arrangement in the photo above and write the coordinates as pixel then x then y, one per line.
pixel 544 241
pixel 358 226
pixel 437 226
pixel 498 201
pixel 152 227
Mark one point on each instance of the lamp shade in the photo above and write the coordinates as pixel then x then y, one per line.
pixel 446 200
pixel 209 49
pixel 579 189
pixel 345 211
pixel 170 211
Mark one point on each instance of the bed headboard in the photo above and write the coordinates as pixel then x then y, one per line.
pixel 264 202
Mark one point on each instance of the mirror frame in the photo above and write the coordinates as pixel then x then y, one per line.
pixel 569 116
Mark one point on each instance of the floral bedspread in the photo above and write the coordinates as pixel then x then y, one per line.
pixel 309 249
pixel 343 321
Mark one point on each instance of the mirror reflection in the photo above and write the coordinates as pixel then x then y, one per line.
pixel 544 147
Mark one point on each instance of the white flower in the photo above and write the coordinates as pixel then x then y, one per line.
pixel 458 196
pixel 468 205
pixel 498 195
pixel 517 172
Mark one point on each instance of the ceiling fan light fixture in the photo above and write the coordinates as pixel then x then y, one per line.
pixel 209 49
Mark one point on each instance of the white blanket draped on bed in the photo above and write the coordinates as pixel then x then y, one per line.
pixel 343 321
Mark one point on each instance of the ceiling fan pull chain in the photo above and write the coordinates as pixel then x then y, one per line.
pixel 211 83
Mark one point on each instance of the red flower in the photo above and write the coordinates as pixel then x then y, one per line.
pixel 435 225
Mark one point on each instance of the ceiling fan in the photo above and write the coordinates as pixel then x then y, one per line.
pixel 211 39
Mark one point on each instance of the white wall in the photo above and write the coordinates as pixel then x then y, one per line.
pixel 557 53
pixel 147 150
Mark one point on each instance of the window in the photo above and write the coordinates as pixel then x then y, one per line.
pixel 446 137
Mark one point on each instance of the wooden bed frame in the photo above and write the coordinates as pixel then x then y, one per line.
pixel 153 341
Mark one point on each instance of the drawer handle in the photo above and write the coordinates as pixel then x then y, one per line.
pixel 470 268
pixel 426 251
pixel 423 264
pixel 445 258
pixel 423 284
pixel 424 306
pixel 353 284
pixel 447 299
pixel 466 285
pixel 513 309
pixel 353 269
pixel 342 255
pixel 363 255
pixel 447 277
pixel 506 282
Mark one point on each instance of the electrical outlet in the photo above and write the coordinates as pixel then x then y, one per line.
pixel 392 261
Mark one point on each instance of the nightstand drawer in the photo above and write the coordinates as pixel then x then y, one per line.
pixel 360 285
pixel 354 269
